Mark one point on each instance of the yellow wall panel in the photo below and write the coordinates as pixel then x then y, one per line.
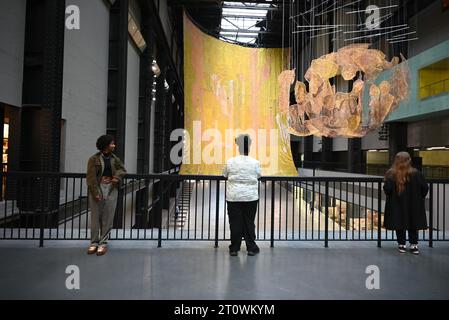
pixel 435 158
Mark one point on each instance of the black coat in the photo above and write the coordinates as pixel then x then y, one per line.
pixel 406 211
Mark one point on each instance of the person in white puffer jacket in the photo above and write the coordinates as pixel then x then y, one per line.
pixel 242 197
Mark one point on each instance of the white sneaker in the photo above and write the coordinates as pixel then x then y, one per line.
pixel 402 248
pixel 414 249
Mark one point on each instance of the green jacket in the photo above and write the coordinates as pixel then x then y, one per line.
pixel 95 168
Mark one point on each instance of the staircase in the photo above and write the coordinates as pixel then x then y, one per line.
pixel 183 206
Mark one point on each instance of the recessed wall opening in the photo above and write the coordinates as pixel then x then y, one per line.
pixel 434 79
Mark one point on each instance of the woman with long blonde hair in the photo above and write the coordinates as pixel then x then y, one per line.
pixel 406 190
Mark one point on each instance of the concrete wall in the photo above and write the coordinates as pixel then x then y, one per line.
pixel 85 83
pixel 12 35
pixel 415 108
pixel 432 28
pixel 132 108
pixel 339 144
pixel 428 133
pixel 371 141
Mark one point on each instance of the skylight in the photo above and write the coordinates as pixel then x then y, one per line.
pixel 239 24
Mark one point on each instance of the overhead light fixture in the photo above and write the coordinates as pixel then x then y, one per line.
pixel 155 68
pixel 437 148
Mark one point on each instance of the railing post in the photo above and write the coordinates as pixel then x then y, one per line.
pixel 161 206
pixel 431 215
pixel 326 216
pixel 379 214
pixel 42 202
pixel 272 214
pixel 217 209
pixel 41 232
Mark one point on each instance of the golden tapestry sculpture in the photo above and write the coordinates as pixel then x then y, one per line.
pixel 322 111
pixel 230 89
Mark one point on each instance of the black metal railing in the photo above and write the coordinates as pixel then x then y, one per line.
pixel 290 208
pixel 436 172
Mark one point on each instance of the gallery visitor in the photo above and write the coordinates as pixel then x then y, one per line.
pixel 406 190
pixel 242 196
pixel 104 174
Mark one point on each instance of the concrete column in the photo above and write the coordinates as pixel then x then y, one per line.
pixel 397 138
pixel 355 163
pixel 326 153
pixel 308 151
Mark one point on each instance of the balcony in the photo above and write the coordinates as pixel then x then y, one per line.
pixel 164 207
pixel 179 231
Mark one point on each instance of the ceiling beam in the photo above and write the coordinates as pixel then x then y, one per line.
pixel 219 2
pixel 248 31
pixel 232 16
pixel 233 37
pixel 228 6
pixel 219 5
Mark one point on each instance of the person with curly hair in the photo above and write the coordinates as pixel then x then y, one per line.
pixel 104 174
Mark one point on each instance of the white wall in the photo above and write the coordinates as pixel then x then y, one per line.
pixel 85 82
pixel 132 109
pixel 340 144
pixel 12 35
pixel 317 144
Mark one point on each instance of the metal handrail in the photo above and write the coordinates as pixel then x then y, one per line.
pixel 179 177
pixel 434 83
pixel 36 206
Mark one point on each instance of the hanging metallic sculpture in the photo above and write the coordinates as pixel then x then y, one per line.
pixel 321 111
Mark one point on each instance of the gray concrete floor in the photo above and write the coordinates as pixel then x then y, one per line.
pixel 196 270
